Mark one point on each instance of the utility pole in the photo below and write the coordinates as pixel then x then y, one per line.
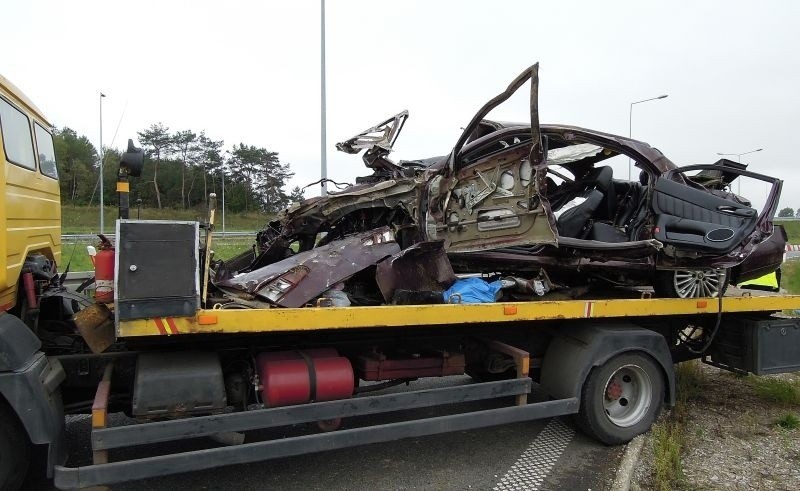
pixel 102 201
pixel 323 116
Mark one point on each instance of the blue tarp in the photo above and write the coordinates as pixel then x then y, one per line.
pixel 472 290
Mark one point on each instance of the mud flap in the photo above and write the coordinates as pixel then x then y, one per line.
pixel 29 382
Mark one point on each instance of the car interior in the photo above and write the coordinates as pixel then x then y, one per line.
pixel 593 205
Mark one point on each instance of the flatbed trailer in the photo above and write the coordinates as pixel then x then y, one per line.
pixel 219 321
pixel 569 351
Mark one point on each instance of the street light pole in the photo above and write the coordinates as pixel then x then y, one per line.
pixel 323 102
pixel 102 201
pixel 222 173
pixel 630 125
pixel 739 159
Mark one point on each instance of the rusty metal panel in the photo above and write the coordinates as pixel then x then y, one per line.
pixel 298 279
pixel 377 366
pixel 421 267
pixel 96 325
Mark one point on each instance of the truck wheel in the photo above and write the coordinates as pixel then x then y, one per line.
pixel 621 398
pixel 14 450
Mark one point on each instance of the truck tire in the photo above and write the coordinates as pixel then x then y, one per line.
pixel 621 398
pixel 15 450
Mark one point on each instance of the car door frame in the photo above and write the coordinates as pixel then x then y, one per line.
pixel 684 255
pixel 477 223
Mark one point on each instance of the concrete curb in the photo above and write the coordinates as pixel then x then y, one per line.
pixel 622 482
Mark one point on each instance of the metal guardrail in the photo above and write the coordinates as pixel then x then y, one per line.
pixel 74 279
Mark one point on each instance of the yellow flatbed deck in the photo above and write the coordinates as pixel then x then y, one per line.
pixel 219 321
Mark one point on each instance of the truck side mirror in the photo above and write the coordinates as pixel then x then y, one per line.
pixel 132 160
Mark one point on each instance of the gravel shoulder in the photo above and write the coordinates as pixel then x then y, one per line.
pixel 732 439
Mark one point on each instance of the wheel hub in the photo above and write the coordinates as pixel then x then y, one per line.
pixel 628 394
pixel 614 390
pixel 698 283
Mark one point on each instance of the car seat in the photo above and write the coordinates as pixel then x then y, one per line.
pixel 576 221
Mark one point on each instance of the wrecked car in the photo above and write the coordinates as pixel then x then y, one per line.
pixel 519 198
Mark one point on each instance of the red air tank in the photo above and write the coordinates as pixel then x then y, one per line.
pixel 104 273
pixel 297 377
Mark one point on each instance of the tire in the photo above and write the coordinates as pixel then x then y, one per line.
pixel 691 283
pixel 15 450
pixel 622 398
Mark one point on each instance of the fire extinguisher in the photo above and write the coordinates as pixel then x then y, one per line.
pixel 104 271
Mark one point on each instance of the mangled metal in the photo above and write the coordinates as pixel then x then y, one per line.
pixel 296 280
pixel 378 142
pixel 417 274
pixel 510 200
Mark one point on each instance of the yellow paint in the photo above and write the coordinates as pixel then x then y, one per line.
pixel 30 206
pixel 410 316
pixel 99 418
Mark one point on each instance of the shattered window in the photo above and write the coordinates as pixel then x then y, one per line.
pixel 572 153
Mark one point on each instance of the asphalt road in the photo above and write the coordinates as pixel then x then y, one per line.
pixel 543 454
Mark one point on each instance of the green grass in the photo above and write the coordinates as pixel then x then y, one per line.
pixel 74 251
pixel 669 434
pixel 668 443
pixel 792 229
pixel 777 390
pixel 690 381
pixel 790 276
pixel 788 421
pixel 86 219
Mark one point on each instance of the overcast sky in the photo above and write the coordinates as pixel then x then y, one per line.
pixel 250 72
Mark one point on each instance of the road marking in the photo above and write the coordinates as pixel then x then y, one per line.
pixel 535 463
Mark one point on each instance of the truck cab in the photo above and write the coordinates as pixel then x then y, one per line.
pixel 30 205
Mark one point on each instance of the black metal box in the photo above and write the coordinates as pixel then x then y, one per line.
pixel 157 269
pixel 176 384
pixel 760 345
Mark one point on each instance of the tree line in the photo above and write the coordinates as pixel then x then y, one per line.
pixel 181 169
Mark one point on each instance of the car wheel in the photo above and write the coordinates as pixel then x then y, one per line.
pixel 622 398
pixel 14 450
pixel 691 283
